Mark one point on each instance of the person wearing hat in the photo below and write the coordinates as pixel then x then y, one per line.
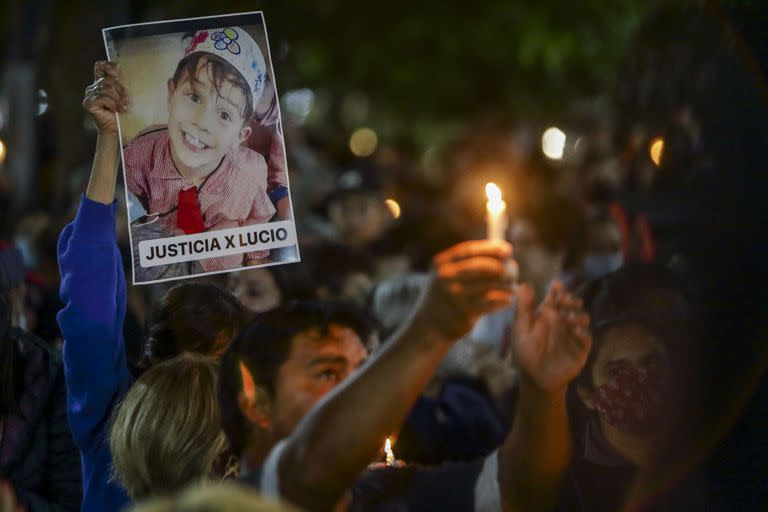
pixel 194 174
pixel 39 462
pixel 356 207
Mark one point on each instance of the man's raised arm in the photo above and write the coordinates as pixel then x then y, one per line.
pixel 346 430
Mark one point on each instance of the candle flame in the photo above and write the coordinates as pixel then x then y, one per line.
pixel 390 455
pixel 495 204
pixel 493 192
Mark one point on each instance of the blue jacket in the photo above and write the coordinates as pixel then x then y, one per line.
pixel 94 296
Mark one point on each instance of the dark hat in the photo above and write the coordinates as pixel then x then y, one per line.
pixel 11 267
pixel 358 180
pixel 647 294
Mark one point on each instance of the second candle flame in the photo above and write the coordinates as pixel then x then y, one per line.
pixel 391 461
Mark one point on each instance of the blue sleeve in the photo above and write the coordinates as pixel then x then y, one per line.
pixel 277 194
pixel 94 296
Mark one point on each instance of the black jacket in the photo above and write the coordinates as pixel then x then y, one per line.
pixel 37 453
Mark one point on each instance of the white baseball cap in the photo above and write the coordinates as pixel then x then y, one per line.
pixel 236 46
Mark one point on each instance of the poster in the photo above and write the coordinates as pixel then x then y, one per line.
pixel 203 157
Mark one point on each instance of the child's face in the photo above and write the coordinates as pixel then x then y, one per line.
pixel 203 122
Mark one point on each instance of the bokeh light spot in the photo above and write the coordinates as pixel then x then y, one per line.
pixel 363 142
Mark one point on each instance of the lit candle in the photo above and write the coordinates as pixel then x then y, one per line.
pixel 496 213
pixel 391 461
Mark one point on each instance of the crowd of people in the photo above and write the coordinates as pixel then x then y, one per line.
pixel 608 355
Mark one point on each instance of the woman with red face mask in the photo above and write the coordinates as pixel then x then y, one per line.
pixel 640 321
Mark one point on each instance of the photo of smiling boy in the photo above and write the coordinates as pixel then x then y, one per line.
pixel 194 174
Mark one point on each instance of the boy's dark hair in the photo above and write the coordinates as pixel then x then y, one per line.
pixel 650 295
pixel 221 71
pixel 265 344
pixel 192 317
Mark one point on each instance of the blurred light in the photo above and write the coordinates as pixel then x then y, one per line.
pixel 2 151
pixel 42 102
pixel 656 149
pixel 553 143
pixel 298 104
pixel 363 142
pixel 394 208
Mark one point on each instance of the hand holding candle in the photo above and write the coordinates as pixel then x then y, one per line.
pixel 496 213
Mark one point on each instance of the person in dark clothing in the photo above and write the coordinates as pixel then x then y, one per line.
pixel 641 319
pixel 460 422
pixel 39 461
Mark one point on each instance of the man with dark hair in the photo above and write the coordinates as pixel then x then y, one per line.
pixel 273 339
pixel 311 413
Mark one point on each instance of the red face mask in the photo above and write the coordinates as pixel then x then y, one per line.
pixel 631 400
pixel 189 218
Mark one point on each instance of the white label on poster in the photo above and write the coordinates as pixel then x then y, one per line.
pixel 212 244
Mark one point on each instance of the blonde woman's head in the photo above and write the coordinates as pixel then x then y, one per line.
pixel 166 432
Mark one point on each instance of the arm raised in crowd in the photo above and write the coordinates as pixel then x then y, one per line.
pixel 344 432
pixel 550 348
pixel 91 273
pixel 103 99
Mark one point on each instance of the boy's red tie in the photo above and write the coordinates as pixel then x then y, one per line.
pixel 189 218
